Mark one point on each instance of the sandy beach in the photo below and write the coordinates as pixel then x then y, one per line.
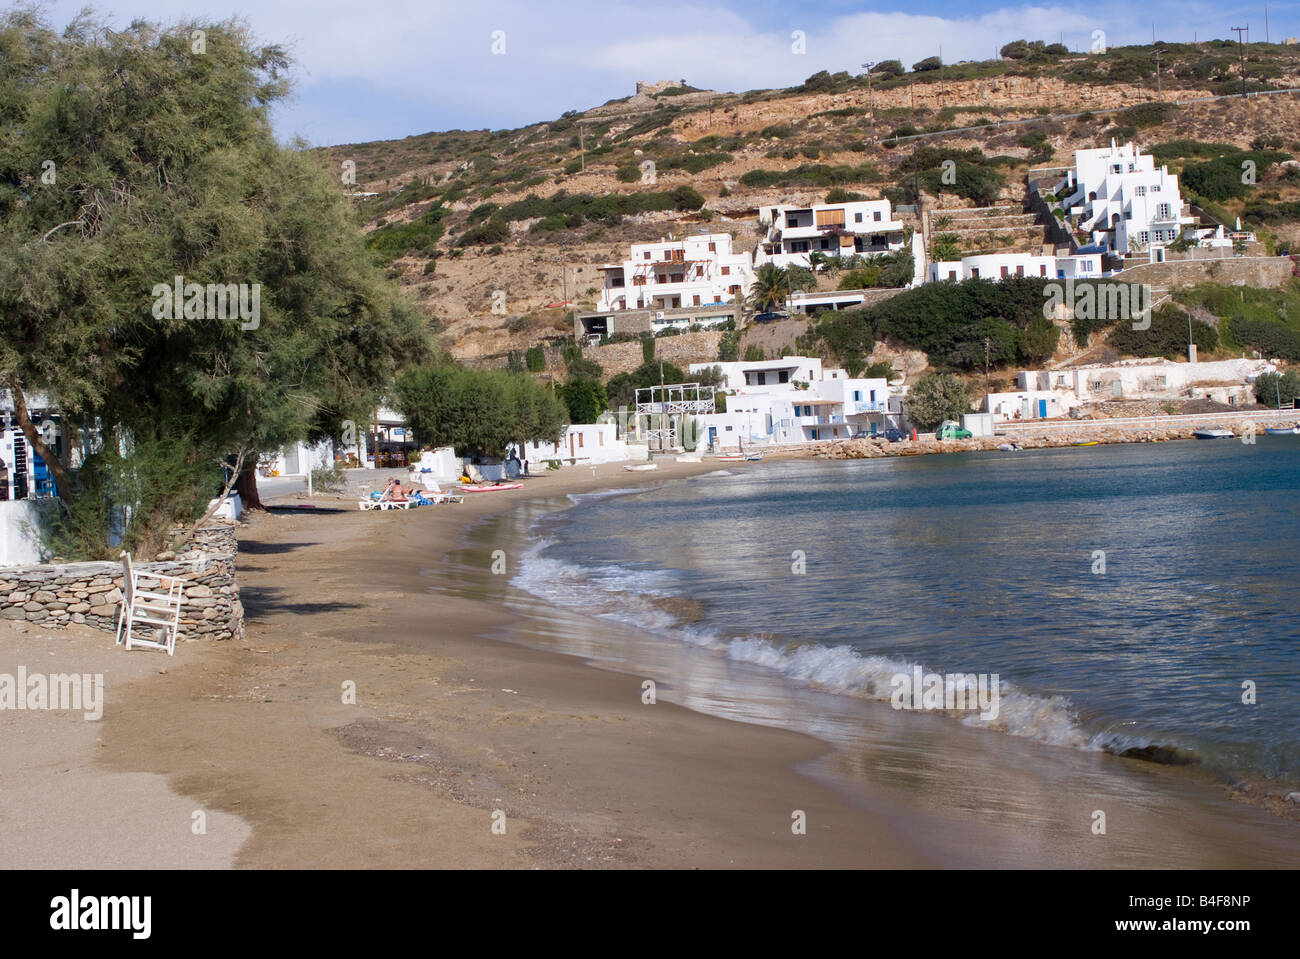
pixel 463 751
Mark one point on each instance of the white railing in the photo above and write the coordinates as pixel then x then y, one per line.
pixel 1162 420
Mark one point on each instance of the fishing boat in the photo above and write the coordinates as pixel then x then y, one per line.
pixel 1281 430
pixel 1214 433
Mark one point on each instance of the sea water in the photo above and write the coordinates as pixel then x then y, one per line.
pixel 1136 599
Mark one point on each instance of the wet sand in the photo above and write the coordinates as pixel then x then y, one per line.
pixel 454 731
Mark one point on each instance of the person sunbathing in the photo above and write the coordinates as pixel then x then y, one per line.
pixel 393 492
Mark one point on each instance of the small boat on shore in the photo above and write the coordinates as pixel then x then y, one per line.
pixel 1085 443
pixel 491 488
pixel 1214 433
pixel 1282 430
pixel 644 467
pixel 1010 447
pixel 753 457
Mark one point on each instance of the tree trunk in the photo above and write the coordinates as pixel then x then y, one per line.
pixel 246 485
pixel 62 477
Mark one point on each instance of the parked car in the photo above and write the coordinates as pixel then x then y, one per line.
pixel 769 317
pixel 949 430
pixel 892 435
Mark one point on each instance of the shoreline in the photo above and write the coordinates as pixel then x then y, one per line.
pixel 449 726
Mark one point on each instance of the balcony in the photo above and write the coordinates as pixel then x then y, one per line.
pixel 869 407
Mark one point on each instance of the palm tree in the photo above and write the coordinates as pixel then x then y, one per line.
pixel 946 247
pixel 771 288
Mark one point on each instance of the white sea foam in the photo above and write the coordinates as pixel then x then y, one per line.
pixel 626 594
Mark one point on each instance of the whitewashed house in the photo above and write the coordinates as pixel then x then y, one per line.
pixel 675 274
pixel 794 400
pixel 856 228
pixel 1051 393
pixel 996 266
pixel 1123 200
pixel 585 444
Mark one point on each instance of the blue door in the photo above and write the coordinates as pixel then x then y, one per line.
pixel 1042 409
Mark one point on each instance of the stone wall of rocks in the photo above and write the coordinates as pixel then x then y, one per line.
pixel 91 593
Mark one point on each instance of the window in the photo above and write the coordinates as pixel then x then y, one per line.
pixel 1020 271
pixel 829 217
pixel 647 254
pixel 1155 188
pixel 1115 168
pixel 713 248
pixel 1128 214
pixel 1144 237
pixel 783 376
pixel 876 216
pixel 580 440
pixel 676 277
pixel 1140 191
pixel 857 396
pixel 697 300
pixel 638 281
pixel 733 289
pixel 857 218
pixel 1005 271
pixel 1042 270
pixel 975 272
pixel 726 271
pixel 1162 211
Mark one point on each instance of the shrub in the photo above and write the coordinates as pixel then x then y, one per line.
pixel 495 230
pixel 929 63
pixel 935 398
pixel 1270 338
pixel 1166 337
pixel 1269 387
pixel 628 174
pixel 535 359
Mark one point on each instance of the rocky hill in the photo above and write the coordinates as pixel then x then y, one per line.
pixel 497 233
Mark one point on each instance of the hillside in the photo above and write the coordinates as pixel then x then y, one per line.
pixel 530 212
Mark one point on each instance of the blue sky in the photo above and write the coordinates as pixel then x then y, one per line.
pixel 393 68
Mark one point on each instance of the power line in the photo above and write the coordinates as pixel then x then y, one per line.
pixel 1242 49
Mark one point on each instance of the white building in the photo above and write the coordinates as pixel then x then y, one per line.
pixel 995 266
pixel 1143 378
pixel 673 274
pixel 794 400
pixel 1122 200
pixel 584 443
pixel 1045 394
pixel 860 227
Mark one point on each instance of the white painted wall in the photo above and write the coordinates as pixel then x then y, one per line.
pixel 19 531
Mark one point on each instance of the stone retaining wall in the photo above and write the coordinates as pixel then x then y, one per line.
pixel 91 593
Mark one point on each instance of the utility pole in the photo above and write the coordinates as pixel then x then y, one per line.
pixel 582 147
pixel 1266 23
pixel 986 365
pixel 1242 50
pixel 871 103
pixel 1157 56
